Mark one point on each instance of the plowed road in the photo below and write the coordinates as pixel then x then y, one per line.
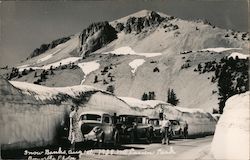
pixel 178 149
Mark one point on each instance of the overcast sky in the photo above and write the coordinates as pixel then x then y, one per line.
pixel 25 25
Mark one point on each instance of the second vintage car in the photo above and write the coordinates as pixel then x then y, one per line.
pixel 134 128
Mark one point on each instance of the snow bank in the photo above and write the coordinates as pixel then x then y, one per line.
pixel 231 139
pixel 134 102
pixel 48 93
pixel 28 119
pixel 88 67
pixel 240 55
pixel 190 110
pixel 200 122
pixel 219 49
pixel 129 51
pixel 135 64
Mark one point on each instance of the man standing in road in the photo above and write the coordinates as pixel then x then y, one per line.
pixel 165 128
pixel 185 130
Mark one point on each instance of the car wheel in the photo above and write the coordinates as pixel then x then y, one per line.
pixel 116 138
pixel 100 142
pixel 132 137
pixel 148 138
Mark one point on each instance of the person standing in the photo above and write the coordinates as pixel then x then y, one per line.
pixel 165 129
pixel 74 131
pixel 185 130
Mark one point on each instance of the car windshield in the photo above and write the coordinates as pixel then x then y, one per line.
pixel 154 122
pixel 142 120
pixel 94 117
pixel 127 119
pixel 174 122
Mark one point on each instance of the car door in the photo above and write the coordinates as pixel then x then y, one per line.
pixel 140 127
pixel 107 127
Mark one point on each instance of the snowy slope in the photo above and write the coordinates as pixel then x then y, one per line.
pixel 62 51
pixel 231 139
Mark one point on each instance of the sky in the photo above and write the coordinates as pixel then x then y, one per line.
pixel 25 25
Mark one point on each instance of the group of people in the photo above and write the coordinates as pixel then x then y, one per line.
pixel 166 129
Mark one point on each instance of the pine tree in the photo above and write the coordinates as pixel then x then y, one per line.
pixel 96 79
pixel 110 89
pixel 172 99
pixel 151 95
pixel 144 96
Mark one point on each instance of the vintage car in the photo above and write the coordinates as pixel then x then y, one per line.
pixel 98 127
pixel 176 129
pixel 133 128
pixel 155 123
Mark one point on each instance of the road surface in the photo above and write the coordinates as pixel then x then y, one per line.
pixel 181 149
pixel 178 149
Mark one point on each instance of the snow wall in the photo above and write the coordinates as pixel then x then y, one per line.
pixel 200 122
pixel 231 138
pixel 30 115
pixel 30 119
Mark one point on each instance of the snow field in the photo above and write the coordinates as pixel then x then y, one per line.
pixel 88 67
pixel 240 55
pixel 219 49
pixel 129 51
pixel 135 64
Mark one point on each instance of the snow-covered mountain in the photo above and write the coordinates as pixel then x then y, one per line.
pixel 144 52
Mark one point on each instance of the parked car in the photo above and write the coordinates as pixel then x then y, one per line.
pixel 176 129
pixel 133 128
pixel 98 127
pixel 156 127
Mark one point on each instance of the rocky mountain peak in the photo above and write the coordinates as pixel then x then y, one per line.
pixel 96 36
pixel 140 20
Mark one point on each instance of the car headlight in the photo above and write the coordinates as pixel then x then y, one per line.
pixel 129 129
pixel 96 130
pixel 123 126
